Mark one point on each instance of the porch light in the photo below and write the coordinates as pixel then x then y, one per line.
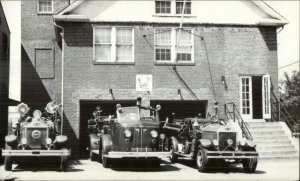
pixel 224 82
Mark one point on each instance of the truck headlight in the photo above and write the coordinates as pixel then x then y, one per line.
pixel 23 141
pixel 243 142
pixel 154 134
pixel 229 142
pixel 162 136
pixel 215 142
pixel 127 133
pixel 48 141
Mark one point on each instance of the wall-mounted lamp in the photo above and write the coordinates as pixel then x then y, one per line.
pixel 224 82
pixel 111 93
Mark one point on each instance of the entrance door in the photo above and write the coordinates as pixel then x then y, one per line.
pixel 246 97
pixel 266 89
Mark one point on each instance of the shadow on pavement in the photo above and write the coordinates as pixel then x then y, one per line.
pixel 141 166
pixel 36 167
pixel 219 168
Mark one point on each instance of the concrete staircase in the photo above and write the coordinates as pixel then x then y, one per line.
pixel 274 140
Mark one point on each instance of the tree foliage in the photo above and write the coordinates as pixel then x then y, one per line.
pixel 290 96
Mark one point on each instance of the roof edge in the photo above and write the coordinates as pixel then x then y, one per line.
pixel 71 7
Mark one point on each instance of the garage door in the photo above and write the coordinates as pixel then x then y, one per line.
pixel 182 109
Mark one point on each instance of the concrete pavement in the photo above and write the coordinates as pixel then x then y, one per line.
pixel 184 170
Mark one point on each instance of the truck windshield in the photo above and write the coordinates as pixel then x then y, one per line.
pixel 128 114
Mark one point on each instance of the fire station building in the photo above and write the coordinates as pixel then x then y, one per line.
pixel 184 56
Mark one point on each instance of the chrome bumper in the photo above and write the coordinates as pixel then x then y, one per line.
pixel 115 154
pixel 232 154
pixel 36 153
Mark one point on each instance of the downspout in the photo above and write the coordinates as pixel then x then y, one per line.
pixel 62 75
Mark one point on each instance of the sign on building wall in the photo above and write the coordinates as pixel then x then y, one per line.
pixel 144 82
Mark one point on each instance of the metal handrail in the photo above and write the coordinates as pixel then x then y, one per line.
pixel 287 118
pixel 236 115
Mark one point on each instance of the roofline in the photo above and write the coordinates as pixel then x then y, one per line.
pixel 281 20
pixel 82 18
pixel 71 7
pixel 5 18
pixel 269 10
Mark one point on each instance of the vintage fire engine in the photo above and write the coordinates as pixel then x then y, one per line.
pixel 96 127
pixel 209 140
pixel 36 138
pixel 131 135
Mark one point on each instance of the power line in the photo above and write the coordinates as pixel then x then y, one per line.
pixel 289 64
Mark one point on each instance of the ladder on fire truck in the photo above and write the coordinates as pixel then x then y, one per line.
pixel 232 112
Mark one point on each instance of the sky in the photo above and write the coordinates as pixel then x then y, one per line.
pixel 288 39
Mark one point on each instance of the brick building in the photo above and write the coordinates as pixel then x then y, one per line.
pixel 114 55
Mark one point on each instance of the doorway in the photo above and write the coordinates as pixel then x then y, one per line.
pixel 255 97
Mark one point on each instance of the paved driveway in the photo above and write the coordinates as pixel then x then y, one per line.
pixel 184 170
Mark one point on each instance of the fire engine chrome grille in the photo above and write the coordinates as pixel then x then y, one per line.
pixel 223 141
pixel 36 137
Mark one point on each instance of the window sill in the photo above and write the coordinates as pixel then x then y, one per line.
pixel 172 63
pixel 113 63
pixel 174 15
pixel 45 13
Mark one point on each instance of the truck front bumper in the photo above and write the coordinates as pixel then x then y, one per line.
pixel 161 155
pixel 37 153
pixel 232 154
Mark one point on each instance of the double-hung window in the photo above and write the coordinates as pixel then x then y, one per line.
pixel 45 6
pixel 173 7
pixel 173 45
pixel 184 45
pixel 187 6
pixel 113 44
pixel 163 6
pixel 163 44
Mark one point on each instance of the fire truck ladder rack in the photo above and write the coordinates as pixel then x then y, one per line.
pixel 233 113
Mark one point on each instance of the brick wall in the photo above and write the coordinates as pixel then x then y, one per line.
pixel 232 52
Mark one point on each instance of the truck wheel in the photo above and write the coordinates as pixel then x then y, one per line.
pixel 64 166
pixel 201 159
pixel 250 165
pixel 8 163
pixel 105 162
pixel 8 159
pixel 93 146
pixel 106 147
pixel 173 144
pixel 92 156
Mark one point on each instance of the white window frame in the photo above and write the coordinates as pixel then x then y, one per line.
pixel 266 96
pixel 113 46
pixel 173 9
pixel 44 12
pixel 181 12
pixel 174 47
pixel 246 117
